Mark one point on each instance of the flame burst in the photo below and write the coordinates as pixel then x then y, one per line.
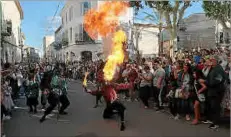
pixel 104 21
pixel 85 79
pixel 117 55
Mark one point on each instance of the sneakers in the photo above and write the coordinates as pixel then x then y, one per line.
pixel 7 118
pixel 177 117
pixel 187 117
pixel 213 126
pixel 129 100
pixel 207 122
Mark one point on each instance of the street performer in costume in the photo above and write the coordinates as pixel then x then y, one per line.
pixel 108 90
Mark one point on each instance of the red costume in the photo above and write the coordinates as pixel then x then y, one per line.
pixel 108 91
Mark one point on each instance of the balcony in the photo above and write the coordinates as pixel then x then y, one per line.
pixel 7 28
pixel 83 38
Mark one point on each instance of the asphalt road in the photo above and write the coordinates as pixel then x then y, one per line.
pixel 85 121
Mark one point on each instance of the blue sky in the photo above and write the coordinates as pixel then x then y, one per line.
pixel 195 8
pixel 38 16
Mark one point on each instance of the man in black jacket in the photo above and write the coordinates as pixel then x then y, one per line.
pixel 215 82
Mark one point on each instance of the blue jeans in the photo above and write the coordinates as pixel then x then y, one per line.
pixel 22 90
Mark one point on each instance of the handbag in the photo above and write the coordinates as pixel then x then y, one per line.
pixel 201 97
pixel 178 93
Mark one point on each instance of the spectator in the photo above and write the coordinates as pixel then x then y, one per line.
pixel 215 82
pixel 199 98
pixel 158 83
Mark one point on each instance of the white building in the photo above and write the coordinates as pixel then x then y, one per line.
pixel 12 38
pixel 148 44
pixel 47 40
pixel 31 54
pixel 71 33
pixel 223 36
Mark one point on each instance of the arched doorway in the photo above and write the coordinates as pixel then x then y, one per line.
pixel 86 56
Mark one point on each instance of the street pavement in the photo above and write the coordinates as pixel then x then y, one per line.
pixel 85 121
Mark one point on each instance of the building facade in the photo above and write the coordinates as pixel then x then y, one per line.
pixel 146 37
pixel 47 41
pixel 223 35
pixel 31 54
pixel 12 36
pixel 196 31
pixel 71 40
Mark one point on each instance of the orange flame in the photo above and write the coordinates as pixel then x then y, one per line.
pixel 117 55
pixel 85 79
pixel 104 21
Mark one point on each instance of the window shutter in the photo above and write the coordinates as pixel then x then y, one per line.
pixel 81 32
pixel 82 8
pixel 221 37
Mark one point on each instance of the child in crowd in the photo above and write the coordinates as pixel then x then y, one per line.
pixel 7 101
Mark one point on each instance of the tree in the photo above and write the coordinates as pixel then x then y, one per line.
pixel 220 11
pixel 173 12
pixel 157 17
pixel 136 30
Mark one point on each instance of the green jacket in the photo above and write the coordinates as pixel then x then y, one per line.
pixel 55 82
pixel 32 91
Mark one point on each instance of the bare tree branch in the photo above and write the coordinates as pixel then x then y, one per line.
pixel 182 10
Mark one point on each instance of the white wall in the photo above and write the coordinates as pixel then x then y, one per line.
pixel 47 40
pixel 11 12
pixel 148 42
pixel 220 28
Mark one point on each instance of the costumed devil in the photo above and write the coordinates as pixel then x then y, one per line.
pixel 109 92
pixel 57 93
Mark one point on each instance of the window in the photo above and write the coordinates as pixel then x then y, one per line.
pixel 70 34
pixel 178 38
pixel 85 6
pixel 70 13
pixel 227 38
pixel 80 32
pixel 62 21
pixel 221 37
pixel 76 34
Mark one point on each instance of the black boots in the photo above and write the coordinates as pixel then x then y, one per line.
pixel 122 126
pixel 42 119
